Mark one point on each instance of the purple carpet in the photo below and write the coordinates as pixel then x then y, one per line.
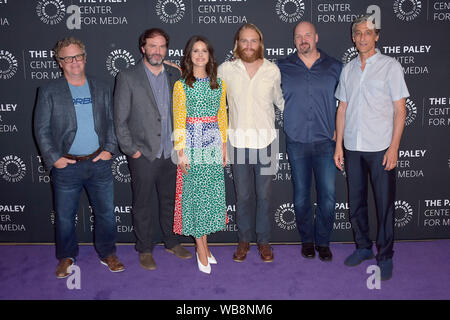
pixel 420 272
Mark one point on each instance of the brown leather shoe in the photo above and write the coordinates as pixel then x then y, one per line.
pixel 147 262
pixel 266 252
pixel 241 252
pixel 180 252
pixel 113 263
pixel 62 270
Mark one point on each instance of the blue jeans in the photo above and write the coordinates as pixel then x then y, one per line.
pixel 359 166
pixel 68 183
pixel 306 159
pixel 247 181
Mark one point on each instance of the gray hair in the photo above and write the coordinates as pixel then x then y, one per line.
pixel 365 18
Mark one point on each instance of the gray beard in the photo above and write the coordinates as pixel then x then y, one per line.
pixel 154 63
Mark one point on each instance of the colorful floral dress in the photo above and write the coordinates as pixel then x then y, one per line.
pixel 200 124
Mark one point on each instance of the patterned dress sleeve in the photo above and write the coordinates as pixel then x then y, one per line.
pixel 222 114
pixel 179 116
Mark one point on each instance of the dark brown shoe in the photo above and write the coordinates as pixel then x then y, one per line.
pixel 241 252
pixel 113 263
pixel 180 252
pixel 62 270
pixel 266 252
pixel 308 250
pixel 147 262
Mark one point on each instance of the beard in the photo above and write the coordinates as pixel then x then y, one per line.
pixel 305 49
pixel 248 56
pixel 154 59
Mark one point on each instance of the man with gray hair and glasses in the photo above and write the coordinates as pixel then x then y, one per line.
pixel 369 125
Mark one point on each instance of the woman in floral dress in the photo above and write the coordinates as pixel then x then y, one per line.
pixel 200 124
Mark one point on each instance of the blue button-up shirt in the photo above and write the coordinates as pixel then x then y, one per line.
pixel 160 90
pixel 310 106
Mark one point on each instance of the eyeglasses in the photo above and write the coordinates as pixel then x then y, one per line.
pixel 69 59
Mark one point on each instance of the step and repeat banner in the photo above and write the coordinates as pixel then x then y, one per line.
pixel 415 32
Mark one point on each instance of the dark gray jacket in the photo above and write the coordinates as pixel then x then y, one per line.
pixel 55 122
pixel 136 116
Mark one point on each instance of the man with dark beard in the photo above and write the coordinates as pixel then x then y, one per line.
pixel 309 78
pixel 142 118
pixel 253 87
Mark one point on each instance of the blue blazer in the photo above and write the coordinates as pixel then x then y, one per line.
pixel 55 123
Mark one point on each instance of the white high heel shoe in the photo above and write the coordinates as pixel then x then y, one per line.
pixel 201 267
pixel 211 259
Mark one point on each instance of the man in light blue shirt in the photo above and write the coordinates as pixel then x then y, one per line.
pixel 86 139
pixel 370 120
pixel 74 129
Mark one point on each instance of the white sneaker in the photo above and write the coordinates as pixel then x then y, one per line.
pixel 201 267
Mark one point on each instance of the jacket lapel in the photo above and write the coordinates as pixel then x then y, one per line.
pixel 143 81
pixel 94 95
pixel 68 100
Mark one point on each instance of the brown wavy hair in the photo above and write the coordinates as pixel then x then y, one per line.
pixel 187 67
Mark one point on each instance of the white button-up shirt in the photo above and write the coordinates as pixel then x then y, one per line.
pixel 250 102
pixel 369 118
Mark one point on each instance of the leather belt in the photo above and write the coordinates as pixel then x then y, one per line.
pixel 81 158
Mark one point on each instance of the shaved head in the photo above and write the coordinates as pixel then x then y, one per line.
pixel 305 24
pixel 306 38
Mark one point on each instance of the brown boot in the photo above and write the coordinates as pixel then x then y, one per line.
pixel 266 252
pixel 241 252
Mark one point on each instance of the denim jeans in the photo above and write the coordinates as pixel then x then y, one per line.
pixel 248 180
pixel 306 159
pixel 359 165
pixel 96 178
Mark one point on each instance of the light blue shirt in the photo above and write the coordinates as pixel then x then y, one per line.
pixel 86 139
pixel 369 118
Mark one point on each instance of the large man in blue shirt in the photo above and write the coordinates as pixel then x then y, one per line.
pixel 308 79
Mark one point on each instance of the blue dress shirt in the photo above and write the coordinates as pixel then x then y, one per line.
pixel 310 105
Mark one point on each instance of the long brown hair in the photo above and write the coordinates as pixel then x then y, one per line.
pixel 187 67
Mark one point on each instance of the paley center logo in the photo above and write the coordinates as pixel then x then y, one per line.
pixel 279 117
pixel 170 11
pixel 403 213
pixel 51 11
pixel 407 10
pixel 285 217
pixel 349 55
pixel 290 11
pixel 119 59
pixel 120 169
pixel 8 65
pixel 229 56
pixel 411 112
pixel 12 168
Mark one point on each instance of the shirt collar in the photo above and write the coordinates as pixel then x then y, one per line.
pixel 296 59
pixel 371 59
pixel 147 70
pixel 240 64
